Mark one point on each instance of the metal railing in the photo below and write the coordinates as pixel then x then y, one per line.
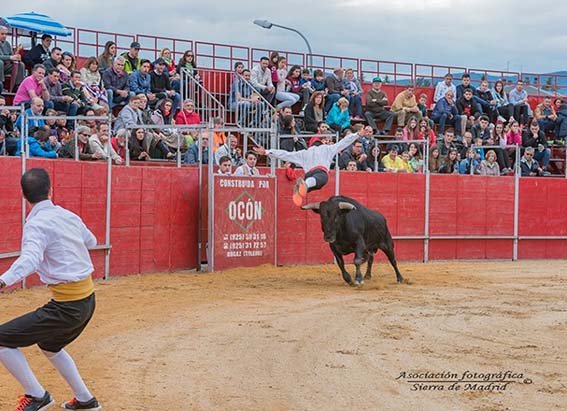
pixel 206 104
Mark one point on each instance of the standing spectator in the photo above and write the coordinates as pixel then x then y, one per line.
pixel 465 85
pixel 405 105
pixel 115 82
pixel 338 117
pixel 140 82
pixel 376 102
pixel 261 80
pixel 118 143
pixel 486 102
pixel 273 66
pixel 528 165
pixel 99 144
pixel 286 99
pixel 445 112
pixel 489 166
pixel 450 163
pixel 40 52
pixel 315 111
pixel 519 99
pixel 66 66
pixel 303 90
pixel 60 102
pixel 106 59
pixel 248 169
pixel 33 86
pixel 131 60
pixel 230 150
pixel 161 86
pixel 335 88
pixel 10 62
pixel 534 137
pixel 504 107
pixel 54 60
pixel 83 147
pixel 426 133
pixel 545 115
pixel 443 86
pixel 354 88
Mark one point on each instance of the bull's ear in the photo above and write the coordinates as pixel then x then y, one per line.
pixel 346 207
pixel 312 206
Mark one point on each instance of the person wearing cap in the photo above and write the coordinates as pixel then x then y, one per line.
pixel 335 88
pixel 376 102
pixel 443 86
pixel 39 53
pixel 392 162
pixel 161 85
pixel 132 61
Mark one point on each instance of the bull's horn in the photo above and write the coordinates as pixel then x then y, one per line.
pixel 311 206
pixel 346 206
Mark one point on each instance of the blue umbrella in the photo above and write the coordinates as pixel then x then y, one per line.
pixel 37 23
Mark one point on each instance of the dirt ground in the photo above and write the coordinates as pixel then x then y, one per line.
pixel 298 338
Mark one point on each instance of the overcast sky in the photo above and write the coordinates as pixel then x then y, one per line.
pixel 470 33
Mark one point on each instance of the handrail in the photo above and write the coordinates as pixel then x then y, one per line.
pixel 206 105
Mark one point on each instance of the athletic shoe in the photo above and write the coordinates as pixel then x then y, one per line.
pixel 29 403
pixel 75 404
pixel 297 199
pixel 301 187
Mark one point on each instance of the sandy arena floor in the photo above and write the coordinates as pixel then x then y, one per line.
pixel 299 338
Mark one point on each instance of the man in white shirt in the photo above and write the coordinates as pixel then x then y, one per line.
pixel 225 166
pixel 261 80
pixel 248 169
pixel 55 245
pixel 443 86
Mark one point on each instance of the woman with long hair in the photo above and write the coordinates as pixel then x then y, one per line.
pixel 188 62
pixel 106 59
pixel 314 111
pixel 434 160
pixel 273 66
pixel 450 164
pixel 90 75
pixel 294 80
pixel 66 66
pixel 373 161
pixel 503 106
pixel 411 131
pixel 415 159
pixel 139 146
pixel 295 143
pixel 285 98
pixel 425 132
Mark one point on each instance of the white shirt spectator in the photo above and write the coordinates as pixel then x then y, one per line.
pixel 261 79
pixel 246 170
pixel 441 88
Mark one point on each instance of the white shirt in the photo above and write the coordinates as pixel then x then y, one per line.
pixel 315 156
pixel 55 245
pixel 245 170
pixel 441 88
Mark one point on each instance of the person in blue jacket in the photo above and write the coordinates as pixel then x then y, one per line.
pixel 445 112
pixel 36 148
pixel 339 116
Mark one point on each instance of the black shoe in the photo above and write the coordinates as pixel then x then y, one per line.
pixel 74 404
pixel 29 403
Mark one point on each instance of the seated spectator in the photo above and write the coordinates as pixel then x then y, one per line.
pixel 99 144
pixel 106 59
pixel 161 86
pixel 376 102
pixel 352 166
pixel 434 160
pixel 534 137
pixel 356 153
pixel 471 163
pixel 450 163
pixel 499 139
pixel 231 151
pixel 59 101
pixel 244 99
pixel 40 52
pixel 445 112
pixel 447 144
pixel 33 86
pixel 518 97
pixel 188 116
pixel 465 85
pixel 315 111
pixel 10 62
pixel 513 137
pixel 373 161
pixel 422 105
pixel 338 117
pixel 286 111
pixel 219 137
pixel 558 103
pixel 318 82
pixel 225 166
pixel 189 63
pixel 295 143
pixel 364 133
pixel 54 59
pixel 163 116
pixel 335 89
pixel 482 130
pixel 392 162
pixel 140 82
pixel 320 137
pixel 411 130
pixel 192 153
pixel 463 145
pixel 170 67
pixel 561 132
pixel 61 129
pixel 38 145
pixel 118 143
pixel 303 91
pixel 489 166
pixel 261 80
pixel 286 99
pixel 131 60
pixel 130 116
pixel 306 83
pixel 545 115
pixel 66 66
pixel 74 88
pixel 140 145
pixel 35 110
pixel 467 109
pixel 354 88
pixel 84 149
pixel 415 160
pixel 92 81
pixel 504 107
pixel 528 165
pixel 248 169
pixel 405 105
pixel 486 102
pixel 426 133
pixel 115 82
pixel 443 86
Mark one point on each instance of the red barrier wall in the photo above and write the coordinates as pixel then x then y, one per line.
pixel 153 212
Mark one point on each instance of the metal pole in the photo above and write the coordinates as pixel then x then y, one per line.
pixel 23 155
pixel 304 39
pixel 127 147
pixel 517 169
pixel 427 202
pixel 337 172
pixel 210 240
pixel 76 141
pixel 108 201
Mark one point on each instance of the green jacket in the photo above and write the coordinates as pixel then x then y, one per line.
pixel 128 68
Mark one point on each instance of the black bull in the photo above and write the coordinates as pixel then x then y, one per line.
pixel 349 227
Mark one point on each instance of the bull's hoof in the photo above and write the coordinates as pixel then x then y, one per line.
pixel 352 283
pixel 358 283
pixel 401 280
pixel 368 276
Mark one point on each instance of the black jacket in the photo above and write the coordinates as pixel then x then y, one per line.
pixel 528 140
pixel 309 118
pixel 468 107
